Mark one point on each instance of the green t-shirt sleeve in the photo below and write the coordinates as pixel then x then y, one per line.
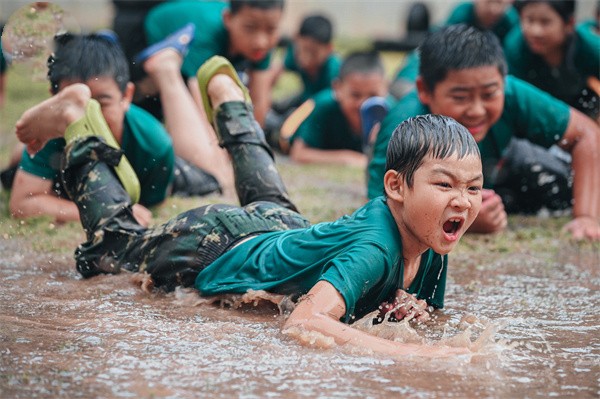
pixel 289 61
pixel 588 48
pixel 46 162
pixel 314 127
pixel 461 14
pixel 410 69
pixel 517 53
pixel 355 272
pixel 534 114
pixel 149 149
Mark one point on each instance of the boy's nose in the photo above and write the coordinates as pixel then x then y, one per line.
pixel 477 109
pixel 461 201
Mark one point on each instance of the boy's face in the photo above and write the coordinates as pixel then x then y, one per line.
pixel 354 89
pixel 441 205
pixel 253 32
pixel 474 97
pixel 112 101
pixel 489 12
pixel 311 54
pixel 544 30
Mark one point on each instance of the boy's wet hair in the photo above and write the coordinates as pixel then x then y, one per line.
pixel 317 27
pixel 236 5
pixel 564 8
pixel 437 136
pixel 84 57
pixel 362 62
pixel 457 47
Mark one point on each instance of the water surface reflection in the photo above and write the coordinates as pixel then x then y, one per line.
pixel 104 337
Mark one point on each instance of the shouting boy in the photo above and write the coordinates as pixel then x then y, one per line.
pixel 343 269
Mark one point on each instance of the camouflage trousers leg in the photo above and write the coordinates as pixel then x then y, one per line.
pixel 256 178
pixel 173 253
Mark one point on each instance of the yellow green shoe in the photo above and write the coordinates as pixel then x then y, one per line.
pixel 210 68
pixel 94 124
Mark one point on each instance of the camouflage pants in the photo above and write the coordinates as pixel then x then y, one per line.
pixel 175 252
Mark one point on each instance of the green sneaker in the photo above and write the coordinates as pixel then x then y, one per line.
pixel 210 68
pixel 94 124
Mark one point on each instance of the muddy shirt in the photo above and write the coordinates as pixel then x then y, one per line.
pixel 328 72
pixel 211 37
pixel 528 113
pixel 566 81
pixel 146 144
pixel 465 14
pixel 326 127
pixel 360 255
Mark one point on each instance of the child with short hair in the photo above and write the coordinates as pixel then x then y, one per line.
pixel 311 56
pixel 342 270
pixel 327 128
pixel 243 31
pixel 554 54
pixel 463 75
pixel 99 62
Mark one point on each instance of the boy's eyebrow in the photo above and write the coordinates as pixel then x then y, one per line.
pixel 465 88
pixel 451 175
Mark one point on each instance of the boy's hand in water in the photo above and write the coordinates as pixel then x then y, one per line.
pixel 404 306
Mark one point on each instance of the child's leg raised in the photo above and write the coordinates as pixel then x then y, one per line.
pixel 256 178
pixel 193 137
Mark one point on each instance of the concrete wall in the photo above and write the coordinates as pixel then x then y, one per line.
pixel 352 18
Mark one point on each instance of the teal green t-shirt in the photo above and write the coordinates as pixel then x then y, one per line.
pixel 327 74
pixel 360 255
pixel 145 143
pixel 211 37
pixel 566 81
pixel 326 127
pixel 464 13
pixel 528 113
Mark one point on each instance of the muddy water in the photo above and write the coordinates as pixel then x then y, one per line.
pixel 61 336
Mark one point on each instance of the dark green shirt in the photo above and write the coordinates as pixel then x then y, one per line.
pixel 145 143
pixel 211 37
pixel 528 113
pixel 327 74
pixel 566 81
pixel 326 127
pixel 464 13
pixel 360 255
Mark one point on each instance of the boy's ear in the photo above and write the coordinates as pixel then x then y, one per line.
pixel 393 184
pixel 423 91
pixel 227 18
pixel 570 26
pixel 128 95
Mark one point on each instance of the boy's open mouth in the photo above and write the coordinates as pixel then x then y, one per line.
pixel 452 225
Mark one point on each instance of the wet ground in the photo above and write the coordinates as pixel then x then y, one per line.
pixel 61 336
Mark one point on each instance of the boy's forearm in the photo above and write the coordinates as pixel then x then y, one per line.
pixel 586 167
pixel 60 209
pixel 320 311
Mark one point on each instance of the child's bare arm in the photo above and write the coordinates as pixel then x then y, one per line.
pixel 260 91
pixel 321 310
pixel 582 139
pixel 32 196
